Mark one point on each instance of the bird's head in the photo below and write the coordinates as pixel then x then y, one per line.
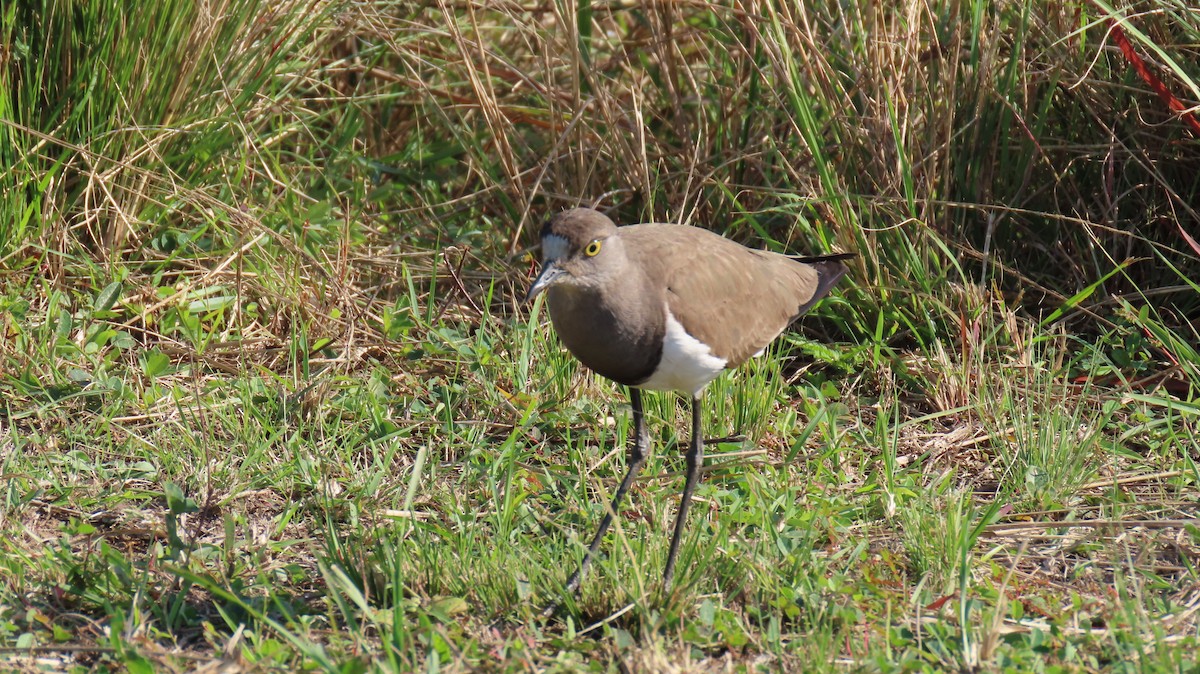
pixel 580 248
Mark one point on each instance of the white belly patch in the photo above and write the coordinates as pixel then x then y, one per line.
pixel 687 364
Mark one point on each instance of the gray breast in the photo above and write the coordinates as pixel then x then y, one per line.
pixel 618 339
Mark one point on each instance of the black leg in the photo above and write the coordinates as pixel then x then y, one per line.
pixel 695 457
pixel 638 449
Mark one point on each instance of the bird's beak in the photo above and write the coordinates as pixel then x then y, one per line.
pixel 551 273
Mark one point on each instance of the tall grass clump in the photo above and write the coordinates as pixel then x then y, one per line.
pixel 119 124
pixel 974 144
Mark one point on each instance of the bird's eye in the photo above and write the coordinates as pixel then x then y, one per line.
pixel 592 248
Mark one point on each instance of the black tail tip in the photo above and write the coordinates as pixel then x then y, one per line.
pixel 832 257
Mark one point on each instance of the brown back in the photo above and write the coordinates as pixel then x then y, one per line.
pixel 734 299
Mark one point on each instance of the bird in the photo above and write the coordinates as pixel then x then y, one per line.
pixel 666 307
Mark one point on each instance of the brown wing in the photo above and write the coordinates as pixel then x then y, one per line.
pixel 735 299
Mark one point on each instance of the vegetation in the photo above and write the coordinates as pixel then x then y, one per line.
pixel 270 401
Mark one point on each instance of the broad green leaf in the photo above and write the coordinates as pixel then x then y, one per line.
pixel 107 297
pixel 210 304
pixel 155 363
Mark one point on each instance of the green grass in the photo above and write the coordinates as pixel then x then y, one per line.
pixel 269 401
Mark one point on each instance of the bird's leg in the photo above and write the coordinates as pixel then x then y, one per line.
pixel 695 456
pixel 638 450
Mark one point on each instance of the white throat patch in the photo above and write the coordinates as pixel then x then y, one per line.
pixel 687 364
pixel 554 247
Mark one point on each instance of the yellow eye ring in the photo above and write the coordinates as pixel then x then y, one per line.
pixel 592 249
